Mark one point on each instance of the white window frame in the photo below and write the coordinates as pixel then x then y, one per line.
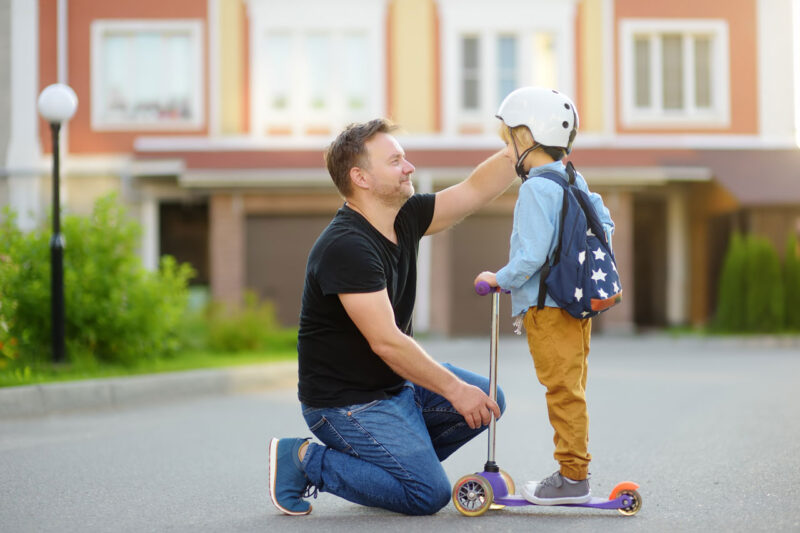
pixel 521 19
pixel 297 19
pixel 194 27
pixel 690 116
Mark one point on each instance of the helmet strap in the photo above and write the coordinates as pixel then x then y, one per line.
pixel 519 167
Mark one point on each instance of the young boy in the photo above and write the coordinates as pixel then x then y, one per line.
pixel 539 126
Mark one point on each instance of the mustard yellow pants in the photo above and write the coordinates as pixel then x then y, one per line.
pixel 559 345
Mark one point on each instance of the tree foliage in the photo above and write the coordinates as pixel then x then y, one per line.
pixel 756 293
pixel 115 310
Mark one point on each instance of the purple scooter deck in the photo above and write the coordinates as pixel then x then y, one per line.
pixel 515 500
pixel 501 497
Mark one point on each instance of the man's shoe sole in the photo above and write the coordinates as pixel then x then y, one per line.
pixel 273 469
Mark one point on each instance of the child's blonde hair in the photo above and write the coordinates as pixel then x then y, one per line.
pixel 524 139
pixel 521 134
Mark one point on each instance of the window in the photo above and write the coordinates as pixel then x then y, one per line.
pixel 486 54
pixel 146 74
pixel 314 75
pixel 507 66
pixel 491 67
pixel 675 73
pixel 470 73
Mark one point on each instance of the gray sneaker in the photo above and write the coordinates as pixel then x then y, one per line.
pixel 556 490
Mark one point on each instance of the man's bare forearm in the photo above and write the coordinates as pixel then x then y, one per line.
pixel 492 177
pixel 407 358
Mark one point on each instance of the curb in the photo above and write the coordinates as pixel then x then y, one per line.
pixel 52 398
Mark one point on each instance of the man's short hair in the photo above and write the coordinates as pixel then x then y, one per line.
pixel 349 150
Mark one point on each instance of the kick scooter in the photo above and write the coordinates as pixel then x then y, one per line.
pixel 474 494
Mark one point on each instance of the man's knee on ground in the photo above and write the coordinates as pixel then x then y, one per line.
pixel 429 498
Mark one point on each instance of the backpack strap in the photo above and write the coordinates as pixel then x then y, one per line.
pixel 552 176
pixel 571 173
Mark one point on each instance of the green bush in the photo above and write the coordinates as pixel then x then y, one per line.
pixel 116 311
pixel 251 326
pixel 791 285
pixel 752 290
pixel 731 298
pixel 764 287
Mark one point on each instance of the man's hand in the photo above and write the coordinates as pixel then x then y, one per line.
pixel 474 405
pixel 373 316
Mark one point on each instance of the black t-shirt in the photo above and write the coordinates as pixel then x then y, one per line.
pixel 336 365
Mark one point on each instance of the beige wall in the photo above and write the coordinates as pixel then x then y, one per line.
pixel 81 192
pixel 412 65
pixel 231 66
pixel 591 61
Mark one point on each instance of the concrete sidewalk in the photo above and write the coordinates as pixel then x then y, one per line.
pixel 52 398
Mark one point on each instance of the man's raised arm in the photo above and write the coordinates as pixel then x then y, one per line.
pixel 487 182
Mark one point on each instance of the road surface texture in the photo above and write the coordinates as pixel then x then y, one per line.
pixel 710 429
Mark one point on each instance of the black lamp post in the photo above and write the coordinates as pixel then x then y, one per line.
pixel 57 104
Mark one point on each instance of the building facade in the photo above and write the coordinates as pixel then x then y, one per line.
pixel 210 117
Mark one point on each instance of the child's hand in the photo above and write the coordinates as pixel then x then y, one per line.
pixel 488 277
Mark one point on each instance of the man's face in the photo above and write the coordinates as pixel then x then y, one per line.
pixel 388 172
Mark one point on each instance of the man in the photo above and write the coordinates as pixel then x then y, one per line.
pixel 386 412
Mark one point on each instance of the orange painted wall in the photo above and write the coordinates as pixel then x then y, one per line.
pixel 742 32
pixel 81 13
pixel 48 62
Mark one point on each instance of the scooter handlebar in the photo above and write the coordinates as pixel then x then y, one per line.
pixel 483 288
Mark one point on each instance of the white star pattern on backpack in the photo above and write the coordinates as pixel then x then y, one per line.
pixel 578 293
pixel 599 255
pixel 581 257
pixel 598 275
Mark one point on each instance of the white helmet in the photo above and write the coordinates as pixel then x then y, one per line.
pixel 550 115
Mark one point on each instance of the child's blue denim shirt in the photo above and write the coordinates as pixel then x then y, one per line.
pixel 535 232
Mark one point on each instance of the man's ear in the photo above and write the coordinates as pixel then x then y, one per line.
pixel 358 178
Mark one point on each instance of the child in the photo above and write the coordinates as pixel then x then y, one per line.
pixel 538 128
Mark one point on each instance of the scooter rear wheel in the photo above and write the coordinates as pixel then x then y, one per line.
pixel 634 507
pixel 472 495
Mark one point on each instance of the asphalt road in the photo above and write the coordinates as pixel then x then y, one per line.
pixel 710 429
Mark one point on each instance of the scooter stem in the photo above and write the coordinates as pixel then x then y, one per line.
pixel 493 373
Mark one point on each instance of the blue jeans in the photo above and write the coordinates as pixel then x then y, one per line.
pixel 388 453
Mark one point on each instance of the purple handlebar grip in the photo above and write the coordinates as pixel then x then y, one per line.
pixel 483 288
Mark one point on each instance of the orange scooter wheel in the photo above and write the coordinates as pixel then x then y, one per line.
pixel 472 495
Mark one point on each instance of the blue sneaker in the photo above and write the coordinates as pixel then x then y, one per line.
pixel 287 481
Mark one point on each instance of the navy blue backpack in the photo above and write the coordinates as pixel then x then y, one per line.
pixel 581 276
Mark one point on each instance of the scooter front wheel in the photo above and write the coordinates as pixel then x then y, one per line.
pixel 510 489
pixel 472 495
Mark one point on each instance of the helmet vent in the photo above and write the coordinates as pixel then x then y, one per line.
pixel 565 124
pixel 566 106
